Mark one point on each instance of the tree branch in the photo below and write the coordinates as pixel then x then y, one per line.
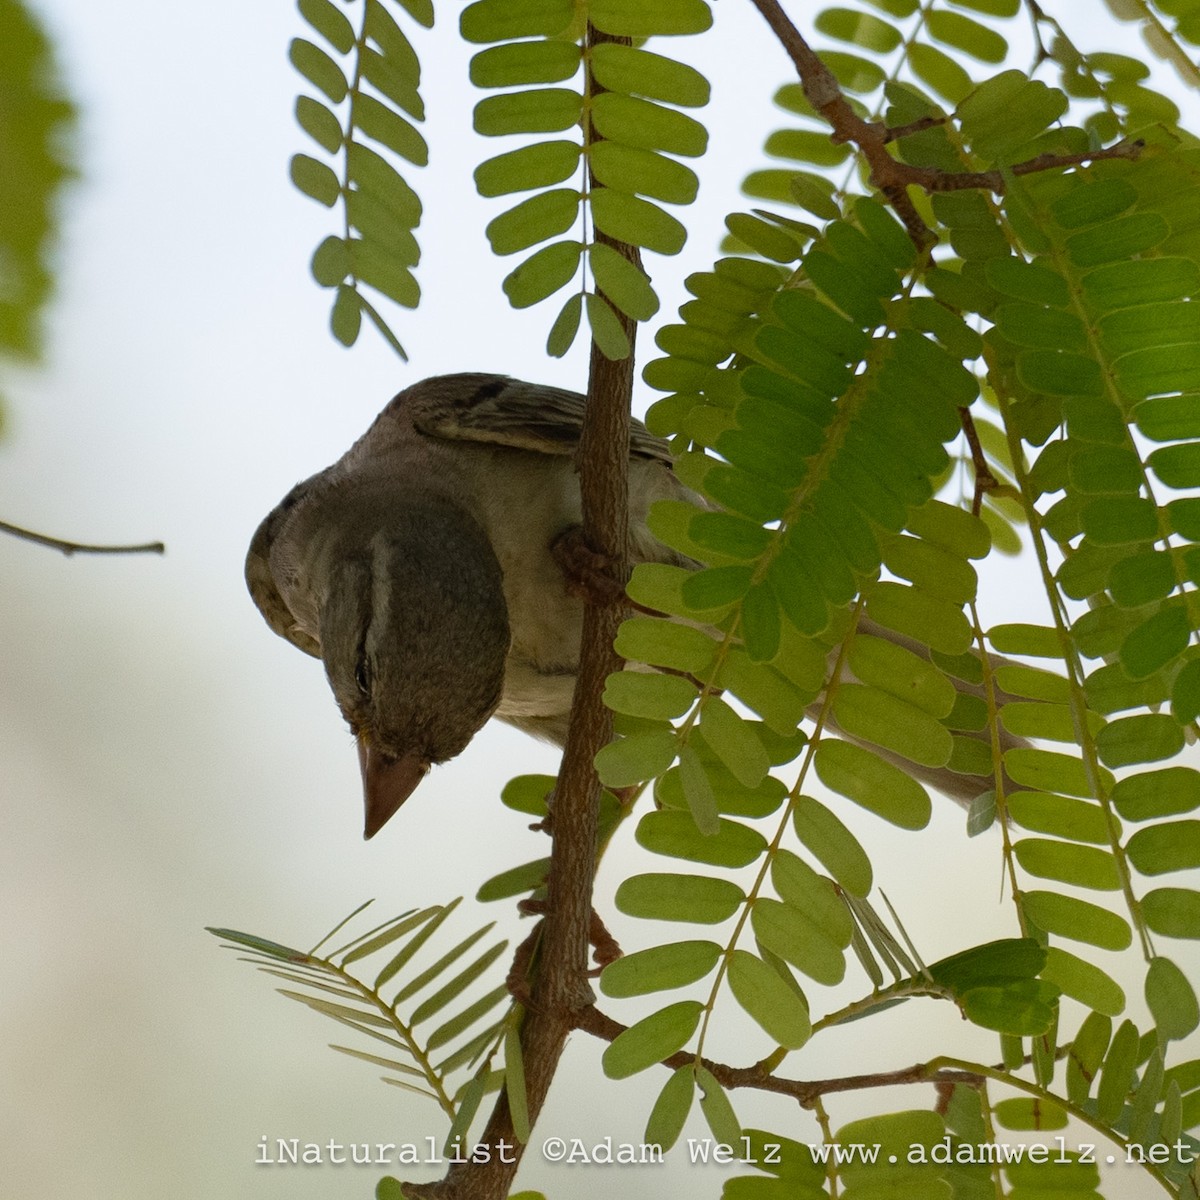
pixel 560 990
pixel 69 548
pixel 888 174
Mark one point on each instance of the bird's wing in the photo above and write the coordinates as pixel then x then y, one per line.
pixel 260 579
pixel 509 412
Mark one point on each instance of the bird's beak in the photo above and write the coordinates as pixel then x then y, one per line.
pixel 387 782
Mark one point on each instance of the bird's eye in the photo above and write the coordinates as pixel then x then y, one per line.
pixel 362 675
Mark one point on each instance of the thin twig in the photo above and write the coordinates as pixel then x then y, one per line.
pixel 893 133
pixel 758 1078
pixel 985 481
pixel 69 548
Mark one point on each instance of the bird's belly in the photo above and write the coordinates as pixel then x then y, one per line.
pixel 546 625
pixel 532 695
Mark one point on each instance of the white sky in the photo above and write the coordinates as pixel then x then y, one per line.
pixel 167 762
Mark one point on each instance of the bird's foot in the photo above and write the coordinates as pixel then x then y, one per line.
pixel 590 575
pixel 605 947
pixel 517 979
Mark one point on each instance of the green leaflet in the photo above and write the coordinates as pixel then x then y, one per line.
pixel 759 989
pixel 1171 999
pixel 659 697
pixel 512 64
pixel 832 844
pixel 651 1039
pixel 717 1109
pixel 863 777
pixel 636 758
pixel 788 932
pixel 1173 912
pixel 695 898
pixel 1080 920
pixel 884 720
pixel 1083 982
pixel 675 834
pixel 659 968
pixel 671 1109
pixel 733 741
pixel 1027 1113
pixel 1157 793
pixel 633 71
pixel 530 167
pixel 1083 866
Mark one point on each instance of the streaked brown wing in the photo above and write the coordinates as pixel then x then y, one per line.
pixel 510 412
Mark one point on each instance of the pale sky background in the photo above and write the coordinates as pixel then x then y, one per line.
pixel 167 762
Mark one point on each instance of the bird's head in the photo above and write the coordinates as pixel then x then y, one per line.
pixel 414 637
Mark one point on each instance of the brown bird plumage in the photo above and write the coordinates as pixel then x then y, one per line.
pixel 419 567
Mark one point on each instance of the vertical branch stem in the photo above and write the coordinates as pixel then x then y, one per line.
pixel 560 988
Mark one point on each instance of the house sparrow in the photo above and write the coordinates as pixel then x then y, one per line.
pixel 420 568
